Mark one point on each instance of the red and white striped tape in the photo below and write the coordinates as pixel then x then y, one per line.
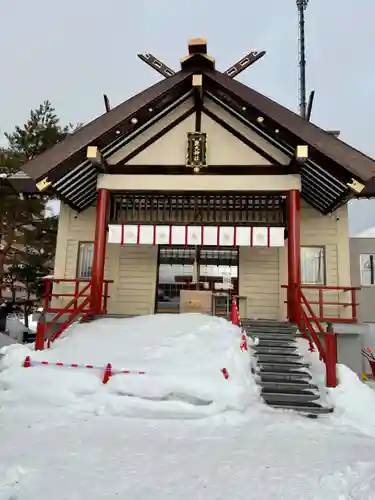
pixel 108 370
pixel 222 236
pixel 32 362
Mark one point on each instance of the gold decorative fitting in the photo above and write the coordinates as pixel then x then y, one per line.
pixel 92 152
pixel 356 186
pixel 302 152
pixel 197 46
pixel 197 80
pixel 43 184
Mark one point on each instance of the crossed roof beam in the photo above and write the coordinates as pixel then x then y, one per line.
pixel 158 65
pixel 232 71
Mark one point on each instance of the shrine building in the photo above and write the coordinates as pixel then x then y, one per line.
pixel 198 189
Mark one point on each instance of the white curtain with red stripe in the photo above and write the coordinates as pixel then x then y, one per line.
pixel 142 234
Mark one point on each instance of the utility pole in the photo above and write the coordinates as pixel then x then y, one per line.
pixel 301 6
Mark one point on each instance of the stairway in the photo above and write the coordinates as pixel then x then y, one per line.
pixel 284 377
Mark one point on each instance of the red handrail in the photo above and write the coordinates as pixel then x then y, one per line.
pixel 67 307
pixel 73 315
pixel 73 308
pixel 322 314
pixel 49 294
pixel 306 319
pixel 309 326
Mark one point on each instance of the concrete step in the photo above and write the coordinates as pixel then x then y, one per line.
pixel 113 315
pixel 287 386
pixel 278 358
pixel 276 349
pixel 273 366
pixel 308 408
pixel 271 325
pixel 289 396
pixel 269 342
pixel 273 336
pixel 261 329
pixel 267 322
pixel 284 376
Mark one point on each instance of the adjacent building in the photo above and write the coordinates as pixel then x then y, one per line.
pixel 362 267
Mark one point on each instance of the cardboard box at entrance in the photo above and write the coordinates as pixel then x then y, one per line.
pixel 199 301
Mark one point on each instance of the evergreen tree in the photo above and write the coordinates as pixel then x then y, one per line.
pixel 23 226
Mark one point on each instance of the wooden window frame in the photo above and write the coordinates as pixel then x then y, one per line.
pixel 372 268
pixel 78 275
pixel 324 281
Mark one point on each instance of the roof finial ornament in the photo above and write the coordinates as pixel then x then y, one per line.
pixel 197 54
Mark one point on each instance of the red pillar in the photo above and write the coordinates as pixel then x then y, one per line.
pixel 331 358
pixel 100 243
pixel 294 253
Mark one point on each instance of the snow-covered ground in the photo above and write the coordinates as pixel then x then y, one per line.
pixel 179 431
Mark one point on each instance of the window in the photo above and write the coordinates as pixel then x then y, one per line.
pixel 366 262
pixel 181 267
pixel 313 266
pixel 85 258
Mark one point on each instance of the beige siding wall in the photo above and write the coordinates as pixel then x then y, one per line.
pixel 223 147
pixel 259 282
pixel 262 271
pixel 135 288
pixel 331 232
pixel 133 270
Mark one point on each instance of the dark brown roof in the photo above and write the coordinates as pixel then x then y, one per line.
pixel 105 125
pixel 332 164
pixel 369 191
pixel 307 133
pixel 22 183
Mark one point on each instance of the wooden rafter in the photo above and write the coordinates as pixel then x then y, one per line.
pixel 274 169
pixel 156 64
pixel 244 63
pixel 198 100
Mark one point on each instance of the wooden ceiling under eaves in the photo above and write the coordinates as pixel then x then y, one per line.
pixel 333 173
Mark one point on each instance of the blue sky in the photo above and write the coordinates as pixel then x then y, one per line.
pixel 72 52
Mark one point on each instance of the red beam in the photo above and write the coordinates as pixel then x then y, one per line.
pixel 294 254
pixel 100 243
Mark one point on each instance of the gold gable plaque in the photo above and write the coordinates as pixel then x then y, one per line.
pixel 196 150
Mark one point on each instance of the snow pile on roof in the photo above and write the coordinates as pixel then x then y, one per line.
pixel 182 355
pixel 367 233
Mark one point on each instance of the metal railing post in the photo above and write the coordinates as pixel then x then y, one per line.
pixel 331 356
pixel 40 332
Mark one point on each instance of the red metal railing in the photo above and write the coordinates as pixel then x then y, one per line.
pixel 76 295
pixel 322 312
pixel 80 303
pixel 306 320
pixel 310 322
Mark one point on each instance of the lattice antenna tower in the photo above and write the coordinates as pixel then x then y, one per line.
pixel 301 6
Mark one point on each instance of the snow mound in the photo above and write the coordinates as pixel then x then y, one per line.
pixel 182 357
pixel 352 400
